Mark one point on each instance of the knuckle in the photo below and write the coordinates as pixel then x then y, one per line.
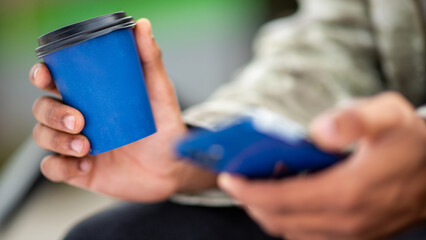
pixel 50 112
pixel 52 117
pixel 55 141
pixel 45 110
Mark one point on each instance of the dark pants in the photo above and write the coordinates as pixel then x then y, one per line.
pixel 163 221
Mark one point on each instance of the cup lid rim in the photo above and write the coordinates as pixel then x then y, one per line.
pixel 82 31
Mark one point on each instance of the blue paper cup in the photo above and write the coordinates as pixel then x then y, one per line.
pixel 96 67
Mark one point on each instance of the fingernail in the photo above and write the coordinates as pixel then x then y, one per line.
pixel 150 28
pixel 225 180
pixel 69 122
pixel 77 145
pixel 85 165
pixel 35 72
pixel 328 126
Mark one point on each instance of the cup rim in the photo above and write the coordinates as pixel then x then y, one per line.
pixel 82 31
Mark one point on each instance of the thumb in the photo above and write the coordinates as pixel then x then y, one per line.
pixel 149 51
pixel 158 83
pixel 336 129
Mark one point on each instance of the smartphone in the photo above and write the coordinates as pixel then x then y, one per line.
pixel 258 145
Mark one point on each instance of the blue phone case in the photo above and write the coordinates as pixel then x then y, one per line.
pixel 256 149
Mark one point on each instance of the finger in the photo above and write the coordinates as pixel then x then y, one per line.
pixel 40 76
pixel 297 194
pixel 158 84
pixel 60 142
pixel 336 129
pixel 62 169
pixel 54 114
pixel 149 51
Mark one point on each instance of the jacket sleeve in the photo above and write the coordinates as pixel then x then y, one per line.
pixel 322 56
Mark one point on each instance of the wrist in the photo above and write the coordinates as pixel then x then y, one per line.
pixel 192 179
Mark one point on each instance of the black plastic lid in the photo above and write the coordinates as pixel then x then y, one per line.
pixel 82 31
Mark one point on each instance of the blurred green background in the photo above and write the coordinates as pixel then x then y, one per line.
pixel 178 25
pixel 203 42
